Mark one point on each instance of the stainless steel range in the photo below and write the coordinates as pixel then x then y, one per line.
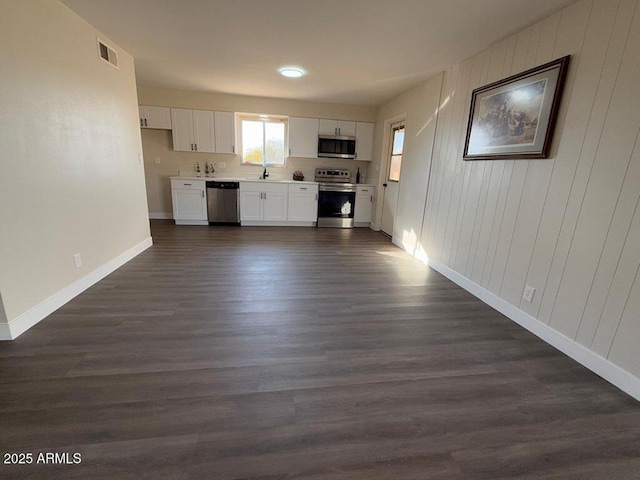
pixel 336 198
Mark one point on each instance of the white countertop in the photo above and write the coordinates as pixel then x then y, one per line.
pixel 237 179
pixel 257 180
pixel 217 179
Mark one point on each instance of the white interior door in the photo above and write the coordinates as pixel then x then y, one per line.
pixel 389 205
pixel 391 187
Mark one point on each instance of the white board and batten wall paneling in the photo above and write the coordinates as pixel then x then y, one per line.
pixel 569 225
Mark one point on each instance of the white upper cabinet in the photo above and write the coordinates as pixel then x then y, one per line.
pixel 346 128
pixel 193 130
pixel 328 127
pixel 337 127
pixel 204 127
pixel 225 129
pixel 182 129
pixel 303 137
pixel 155 117
pixel 364 141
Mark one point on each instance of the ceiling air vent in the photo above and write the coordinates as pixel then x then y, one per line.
pixel 107 54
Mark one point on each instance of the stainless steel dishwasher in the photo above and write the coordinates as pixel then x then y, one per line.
pixel 223 203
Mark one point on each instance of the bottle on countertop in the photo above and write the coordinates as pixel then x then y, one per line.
pixel 358 175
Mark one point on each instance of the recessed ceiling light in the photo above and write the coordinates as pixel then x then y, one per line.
pixel 291 72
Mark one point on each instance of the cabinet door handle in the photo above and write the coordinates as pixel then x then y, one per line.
pixel 192 147
pixel 303 188
pixel 141 123
pixel 145 122
pixel 316 197
pixel 203 194
pixel 186 184
pixel 233 148
pixel 356 156
pixel 371 199
pixel 289 152
pixel 196 146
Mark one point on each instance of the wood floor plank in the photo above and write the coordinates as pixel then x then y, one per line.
pixel 300 353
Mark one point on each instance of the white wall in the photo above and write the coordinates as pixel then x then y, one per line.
pixel 70 181
pixel 569 225
pixel 419 106
pixel 158 143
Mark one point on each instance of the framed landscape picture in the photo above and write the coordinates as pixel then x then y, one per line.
pixel 515 117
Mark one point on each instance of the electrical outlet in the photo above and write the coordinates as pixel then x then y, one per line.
pixel 78 260
pixel 157 160
pixel 222 165
pixel 529 291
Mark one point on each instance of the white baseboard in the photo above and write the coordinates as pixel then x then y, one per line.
pixel 601 366
pixel 285 223
pixel 160 216
pixel 192 222
pixel 28 319
pixel 5 331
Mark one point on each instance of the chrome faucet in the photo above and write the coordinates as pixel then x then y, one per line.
pixel 265 174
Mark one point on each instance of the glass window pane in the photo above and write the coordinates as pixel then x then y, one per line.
pixel 252 142
pixel 274 143
pixel 398 141
pixel 394 168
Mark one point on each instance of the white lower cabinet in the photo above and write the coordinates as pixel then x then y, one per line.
pixel 263 203
pixel 364 204
pixel 189 200
pixel 303 203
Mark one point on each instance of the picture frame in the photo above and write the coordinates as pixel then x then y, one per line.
pixel 514 118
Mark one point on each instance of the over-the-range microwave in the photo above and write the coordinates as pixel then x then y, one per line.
pixel 336 146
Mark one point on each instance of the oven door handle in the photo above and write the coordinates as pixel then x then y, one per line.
pixel 338 189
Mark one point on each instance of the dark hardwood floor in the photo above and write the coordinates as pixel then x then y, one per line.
pixel 282 353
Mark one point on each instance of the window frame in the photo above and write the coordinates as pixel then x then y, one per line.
pixel 401 125
pixel 255 117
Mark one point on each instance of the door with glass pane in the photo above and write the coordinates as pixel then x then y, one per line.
pixel 391 185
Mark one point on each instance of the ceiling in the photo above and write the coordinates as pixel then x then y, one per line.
pixel 354 51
